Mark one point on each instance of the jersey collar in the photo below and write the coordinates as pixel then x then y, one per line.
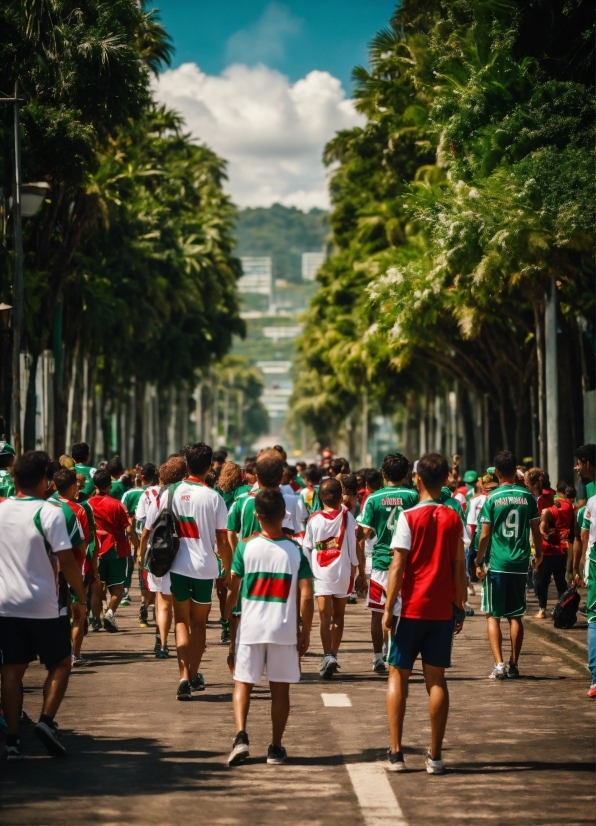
pixel 194 480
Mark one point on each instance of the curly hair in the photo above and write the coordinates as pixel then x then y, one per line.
pixel 230 477
pixel 174 470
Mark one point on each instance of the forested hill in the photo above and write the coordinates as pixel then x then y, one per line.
pixel 282 232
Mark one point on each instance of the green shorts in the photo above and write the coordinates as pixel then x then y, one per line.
pixel 186 587
pixel 112 568
pixel 130 566
pixel 590 579
pixel 504 594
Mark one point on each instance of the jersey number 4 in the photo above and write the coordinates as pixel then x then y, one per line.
pixel 511 525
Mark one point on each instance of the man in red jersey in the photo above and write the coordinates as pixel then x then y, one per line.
pixel 557 524
pixel 429 570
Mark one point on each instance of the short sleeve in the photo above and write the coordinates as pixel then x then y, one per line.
pixel 304 571
pixel 486 514
pixel 221 514
pixel 233 523
pixel 128 502
pixel 351 537
pixel 309 542
pixel 472 514
pixel 402 535
pixel 154 509
pixel 52 524
pixel 238 561
pixel 123 516
pixel 365 519
pixel 532 508
pixel 141 509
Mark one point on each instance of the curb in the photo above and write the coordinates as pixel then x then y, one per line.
pixel 571 647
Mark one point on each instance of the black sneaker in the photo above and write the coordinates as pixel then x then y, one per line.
pixel 513 670
pixel 198 684
pixel 183 692
pixel 225 636
pixel 14 752
pixel 240 750
pixel 48 734
pixel 95 625
pixel 379 667
pixel 157 646
pixel 395 761
pixel 24 718
pixel 276 755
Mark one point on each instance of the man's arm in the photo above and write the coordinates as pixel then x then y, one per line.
pixel 132 536
pixel 537 538
pixel 307 607
pixel 232 597
pixel 233 540
pixel 458 572
pixel 72 574
pixel 396 578
pixel 485 535
pixel 225 553
pixel 142 550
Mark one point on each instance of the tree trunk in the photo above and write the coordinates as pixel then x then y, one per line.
pixel 551 376
pixel 71 395
pixel 538 310
pixel 470 454
pixel 31 406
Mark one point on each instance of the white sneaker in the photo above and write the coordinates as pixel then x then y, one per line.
pixel 328 666
pixel 499 673
pixel 471 591
pixel 434 766
pixel 109 621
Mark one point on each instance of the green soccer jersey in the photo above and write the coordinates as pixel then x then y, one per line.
pixel 380 513
pixel 590 490
pixel 230 496
pixel 87 471
pixel 130 500
pixel 242 518
pixel 118 489
pixel 6 484
pixel 91 519
pixel 509 509
pixel 449 502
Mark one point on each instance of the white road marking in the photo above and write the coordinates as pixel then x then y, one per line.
pixel 377 802
pixel 336 700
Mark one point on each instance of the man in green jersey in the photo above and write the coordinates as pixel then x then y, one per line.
pixel 588 548
pixel 118 488
pixel 7 455
pixel 508 516
pixel 82 455
pixel 378 517
pixel 586 468
pixel 130 500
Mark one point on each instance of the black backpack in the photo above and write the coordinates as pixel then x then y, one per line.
pixel 565 613
pixel 163 541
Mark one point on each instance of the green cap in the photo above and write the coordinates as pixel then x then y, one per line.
pixel 6 449
pixel 470 476
pixel 490 470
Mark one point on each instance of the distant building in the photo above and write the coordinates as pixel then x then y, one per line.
pixel 311 261
pixel 257 276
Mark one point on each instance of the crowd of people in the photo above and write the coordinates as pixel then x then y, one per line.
pixel 270 542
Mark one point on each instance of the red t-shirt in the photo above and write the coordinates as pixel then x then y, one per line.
pixel 111 521
pixel 81 515
pixel 545 500
pixel 431 532
pixel 564 518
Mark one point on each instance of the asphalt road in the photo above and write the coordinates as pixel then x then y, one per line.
pixel 517 752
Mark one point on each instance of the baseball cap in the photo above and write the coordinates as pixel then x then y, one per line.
pixel 6 449
pixel 470 476
pixel 490 470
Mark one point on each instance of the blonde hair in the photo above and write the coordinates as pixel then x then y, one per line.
pixel 67 461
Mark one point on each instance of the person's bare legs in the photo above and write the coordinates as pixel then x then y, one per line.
pixel 116 594
pixel 55 687
pixel 337 627
pixel 325 613
pixel 163 616
pixel 495 638
pixel 79 614
pixel 376 631
pixel 11 694
pixel 280 710
pixel 182 635
pixel 241 703
pixel 199 613
pixel 397 695
pixel 438 706
pixel 516 631
pixel 96 597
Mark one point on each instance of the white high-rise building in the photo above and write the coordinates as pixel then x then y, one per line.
pixel 311 261
pixel 258 275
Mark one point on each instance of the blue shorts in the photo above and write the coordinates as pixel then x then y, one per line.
pixel 432 639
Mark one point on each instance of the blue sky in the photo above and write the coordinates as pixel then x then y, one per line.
pixel 266 84
pixel 295 37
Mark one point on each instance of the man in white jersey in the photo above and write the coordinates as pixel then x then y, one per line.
pixel 330 545
pixel 200 515
pixel 274 574
pixel 35 537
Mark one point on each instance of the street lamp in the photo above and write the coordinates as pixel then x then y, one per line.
pixel 32 196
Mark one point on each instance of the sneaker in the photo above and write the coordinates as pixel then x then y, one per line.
pixel 24 718
pixel 541 614
pixel 14 752
pixel 592 690
pixel 328 667
pixel 240 749
pixel 143 616
pixel 352 600
pixel 469 610
pixel 498 673
pixel 225 636
pixel 95 625
pixel 379 667
pixel 198 684
pixel 276 755
pixel 513 670
pixel 125 601
pixel 78 662
pixel 395 761
pixel 109 621
pixel 48 734
pixel 183 691
pixel 157 646
pixel 471 591
pixel 434 766
pixel 164 654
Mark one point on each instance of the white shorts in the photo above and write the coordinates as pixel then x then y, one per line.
pixel 377 593
pixel 340 590
pixel 159 584
pixel 279 663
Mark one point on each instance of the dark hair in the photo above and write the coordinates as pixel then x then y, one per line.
pixel 505 462
pixel 562 487
pixel 251 467
pixel 102 479
pixel 64 479
pixel 6 460
pixel 249 459
pixel 280 449
pixel 148 472
pixel 270 469
pixel 270 505
pixel 570 492
pixel 30 468
pixel 218 455
pixel 312 475
pixel 339 465
pixel 53 467
pixel 586 453
pixel 395 466
pixel 301 465
pixel 80 452
pixel 115 467
pixel 199 457
pixel 433 469
pixel 330 492
pixel 211 479
pixel 293 471
pixel 373 478
pixel 535 475
pixel 349 482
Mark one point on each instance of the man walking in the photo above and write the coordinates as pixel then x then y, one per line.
pixel 429 569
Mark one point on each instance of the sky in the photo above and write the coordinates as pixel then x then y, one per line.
pixel 266 85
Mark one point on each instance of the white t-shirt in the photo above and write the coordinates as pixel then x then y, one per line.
pixel 590 515
pixel 148 497
pixel 330 544
pixel 31 532
pixel 199 512
pixel 474 507
pixel 270 570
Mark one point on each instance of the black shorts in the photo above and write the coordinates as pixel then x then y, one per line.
pixel 432 639
pixel 23 640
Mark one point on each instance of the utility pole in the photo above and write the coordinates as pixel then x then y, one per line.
pixel 364 449
pixel 551 382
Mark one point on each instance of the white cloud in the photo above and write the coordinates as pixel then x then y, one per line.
pixel 270 131
pixel 264 40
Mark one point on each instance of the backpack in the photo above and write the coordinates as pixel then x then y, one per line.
pixel 163 541
pixel 565 612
